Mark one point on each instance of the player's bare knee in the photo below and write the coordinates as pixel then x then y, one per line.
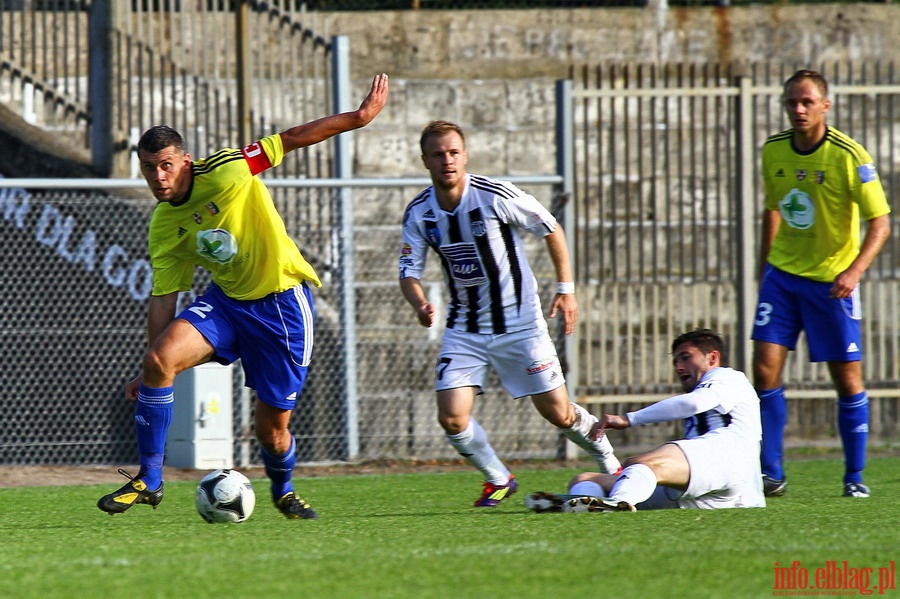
pixel 654 461
pixel 631 461
pixel 275 441
pixel 765 377
pixel 583 477
pixel 453 425
pixel 558 411
pixel 560 420
pixel 155 367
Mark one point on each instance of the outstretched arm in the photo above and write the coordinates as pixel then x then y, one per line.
pixel 329 126
pixel 671 408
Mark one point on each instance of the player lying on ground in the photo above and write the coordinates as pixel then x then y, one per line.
pixel 716 465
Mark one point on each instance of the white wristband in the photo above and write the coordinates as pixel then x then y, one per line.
pixel 566 288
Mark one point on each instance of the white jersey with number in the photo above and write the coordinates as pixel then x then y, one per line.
pixel 738 406
pixel 721 444
pixel 491 284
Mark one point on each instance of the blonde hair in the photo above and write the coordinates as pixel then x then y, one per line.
pixel 440 128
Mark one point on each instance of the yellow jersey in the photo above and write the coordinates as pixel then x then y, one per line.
pixel 227 223
pixel 821 196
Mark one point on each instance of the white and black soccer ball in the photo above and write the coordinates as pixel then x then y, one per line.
pixel 225 496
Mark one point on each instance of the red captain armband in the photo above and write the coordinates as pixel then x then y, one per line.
pixel 256 158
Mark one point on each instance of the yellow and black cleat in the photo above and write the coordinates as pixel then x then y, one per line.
pixel 295 508
pixel 134 492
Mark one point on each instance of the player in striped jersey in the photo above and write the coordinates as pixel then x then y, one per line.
pixel 217 213
pixel 715 466
pixel 494 317
pixel 819 184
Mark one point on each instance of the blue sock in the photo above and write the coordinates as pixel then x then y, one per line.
pixel 152 417
pixel 279 469
pixel 773 411
pixel 853 424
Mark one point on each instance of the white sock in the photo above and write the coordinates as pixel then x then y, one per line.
pixel 601 450
pixel 634 485
pixel 586 488
pixel 473 445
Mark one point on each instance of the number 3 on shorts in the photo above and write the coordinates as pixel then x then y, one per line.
pixel 763 314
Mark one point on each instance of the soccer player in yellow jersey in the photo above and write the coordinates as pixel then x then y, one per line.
pixel 819 185
pixel 218 214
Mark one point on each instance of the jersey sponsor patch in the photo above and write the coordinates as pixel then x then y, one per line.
pixel 432 234
pixel 217 245
pixel 867 173
pixel 798 209
pixel 464 264
pixel 539 366
pixel 406 256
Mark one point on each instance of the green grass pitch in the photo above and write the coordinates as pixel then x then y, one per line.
pixel 415 535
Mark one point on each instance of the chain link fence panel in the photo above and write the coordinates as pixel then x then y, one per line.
pixel 74 283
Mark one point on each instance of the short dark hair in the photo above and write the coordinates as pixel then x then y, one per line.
pixel 705 340
pixel 160 137
pixel 440 128
pixel 815 76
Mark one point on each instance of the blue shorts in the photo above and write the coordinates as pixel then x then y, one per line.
pixel 788 304
pixel 272 336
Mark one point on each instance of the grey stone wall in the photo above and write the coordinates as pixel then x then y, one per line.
pixel 544 43
pixel 493 72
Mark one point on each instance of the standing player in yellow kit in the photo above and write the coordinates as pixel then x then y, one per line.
pixel 819 184
pixel 217 213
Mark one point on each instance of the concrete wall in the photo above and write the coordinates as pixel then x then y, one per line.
pixel 520 44
pixel 494 71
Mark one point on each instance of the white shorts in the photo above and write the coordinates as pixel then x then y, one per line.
pixel 725 472
pixel 525 361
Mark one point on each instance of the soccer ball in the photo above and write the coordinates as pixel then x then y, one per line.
pixel 225 496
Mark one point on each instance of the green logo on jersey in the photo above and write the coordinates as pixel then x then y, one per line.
pixel 797 209
pixel 217 245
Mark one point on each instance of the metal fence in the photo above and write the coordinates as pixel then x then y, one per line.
pixel 662 218
pixel 74 279
pixel 263 66
pixel 146 69
pixel 360 5
pixel 668 204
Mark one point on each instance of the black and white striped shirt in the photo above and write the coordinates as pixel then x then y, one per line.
pixel 700 424
pixel 723 399
pixel 491 284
